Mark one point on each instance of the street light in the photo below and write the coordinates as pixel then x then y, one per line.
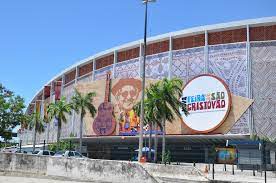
pixel 145 2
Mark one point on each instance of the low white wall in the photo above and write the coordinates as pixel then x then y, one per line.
pixel 82 169
pixel 186 172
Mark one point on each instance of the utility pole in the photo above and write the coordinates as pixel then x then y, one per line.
pixel 140 153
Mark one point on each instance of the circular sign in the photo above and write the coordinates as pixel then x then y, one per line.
pixel 208 101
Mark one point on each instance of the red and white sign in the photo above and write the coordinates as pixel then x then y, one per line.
pixel 208 102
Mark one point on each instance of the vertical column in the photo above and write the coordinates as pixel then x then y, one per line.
pixel 170 57
pixel 61 95
pixel 33 130
pixel 42 111
pixel 52 90
pixel 206 53
pixel 94 69
pixel 141 59
pixel 114 64
pixel 73 113
pixel 76 75
pixel 249 83
pixel 62 84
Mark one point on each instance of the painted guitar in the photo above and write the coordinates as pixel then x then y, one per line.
pixel 104 123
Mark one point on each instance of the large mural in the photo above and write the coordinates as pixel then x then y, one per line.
pixel 263 57
pixel 229 62
pixel 127 93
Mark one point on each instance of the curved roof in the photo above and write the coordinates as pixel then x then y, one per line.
pixel 181 33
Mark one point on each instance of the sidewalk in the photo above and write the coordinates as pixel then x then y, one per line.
pixel 239 176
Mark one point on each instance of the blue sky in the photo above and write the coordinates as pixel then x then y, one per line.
pixel 38 39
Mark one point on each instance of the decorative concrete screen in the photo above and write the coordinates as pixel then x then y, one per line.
pixel 157 66
pixel 101 73
pixel 188 63
pixel 86 79
pixel 263 57
pixel 229 63
pixel 127 69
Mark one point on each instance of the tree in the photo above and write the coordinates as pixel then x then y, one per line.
pixel 80 104
pixel 149 118
pixel 11 111
pixel 36 123
pixel 63 145
pixel 58 110
pixel 166 97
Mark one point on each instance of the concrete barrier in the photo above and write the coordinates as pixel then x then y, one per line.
pixel 180 172
pixel 81 169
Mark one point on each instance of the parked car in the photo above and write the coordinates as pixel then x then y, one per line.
pixel 18 151
pixel 74 154
pixel 11 149
pixel 44 152
pixel 59 154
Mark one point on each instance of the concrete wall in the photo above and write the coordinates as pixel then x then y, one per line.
pixel 184 172
pixel 81 169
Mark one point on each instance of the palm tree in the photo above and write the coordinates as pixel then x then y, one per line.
pixel 36 122
pixel 149 117
pixel 169 92
pixel 165 98
pixel 58 110
pixel 80 104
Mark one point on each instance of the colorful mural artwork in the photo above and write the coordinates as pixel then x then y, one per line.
pixel 126 93
pixel 104 123
pixel 226 155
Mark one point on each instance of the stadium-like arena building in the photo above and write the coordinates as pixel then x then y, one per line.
pixel 238 57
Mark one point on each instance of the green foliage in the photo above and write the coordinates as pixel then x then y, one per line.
pixel 167 157
pixel 262 138
pixel 162 104
pixel 11 111
pixel 72 134
pixel 81 103
pixel 63 145
pixel 162 101
pixel 58 110
pixel 7 144
pixel 36 122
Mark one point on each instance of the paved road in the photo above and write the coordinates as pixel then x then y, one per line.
pixel 15 179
